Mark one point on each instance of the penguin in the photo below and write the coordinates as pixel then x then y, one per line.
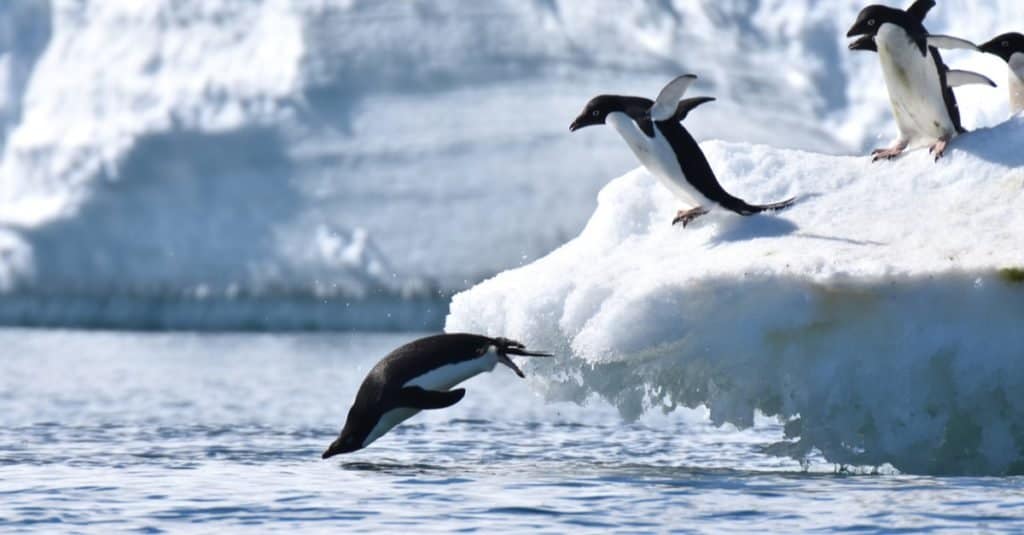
pixel 419 376
pixel 1010 47
pixel 654 134
pixel 919 10
pixel 919 82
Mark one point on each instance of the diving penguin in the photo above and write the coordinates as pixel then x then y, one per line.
pixel 919 83
pixel 654 134
pixel 1010 47
pixel 419 376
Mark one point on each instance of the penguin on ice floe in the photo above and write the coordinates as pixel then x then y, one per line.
pixel 919 83
pixel 1010 47
pixel 654 133
pixel 419 376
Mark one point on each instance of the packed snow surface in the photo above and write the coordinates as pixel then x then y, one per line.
pixel 880 317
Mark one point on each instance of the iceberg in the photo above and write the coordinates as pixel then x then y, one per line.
pixel 879 318
pixel 172 151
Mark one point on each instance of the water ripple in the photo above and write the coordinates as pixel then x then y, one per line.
pixel 185 449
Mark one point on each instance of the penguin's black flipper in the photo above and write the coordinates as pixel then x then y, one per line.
pixel 687 105
pixel 919 10
pixel 415 397
pixel 948 42
pixel 665 105
pixel 957 78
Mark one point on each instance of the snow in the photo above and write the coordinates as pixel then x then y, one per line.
pixel 166 149
pixel 879 317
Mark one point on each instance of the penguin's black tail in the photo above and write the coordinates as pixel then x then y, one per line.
pixel 743 208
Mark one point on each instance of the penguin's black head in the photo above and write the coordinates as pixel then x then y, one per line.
pixel 597 110
pixel 1005 46
pixel 343 444
pixel 873 17
pixel 353 435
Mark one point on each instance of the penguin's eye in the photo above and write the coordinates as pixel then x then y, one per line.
pixel 596 113
pixel 1006 44
pixel 871 22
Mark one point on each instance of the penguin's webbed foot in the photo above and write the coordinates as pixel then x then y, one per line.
pixel 687 216
pixel 891 152
pixel 939 149
pixel 886 154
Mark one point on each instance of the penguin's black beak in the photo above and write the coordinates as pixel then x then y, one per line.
pixel 861 27
pixel 866 42
pixel 992 47
pixel 584 120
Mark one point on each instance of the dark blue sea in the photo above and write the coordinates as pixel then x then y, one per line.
pixel 130 432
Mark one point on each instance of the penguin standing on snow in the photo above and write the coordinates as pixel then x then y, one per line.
pixel 1010 47
pixel 654 133
pixel 920 85
pixel 419 376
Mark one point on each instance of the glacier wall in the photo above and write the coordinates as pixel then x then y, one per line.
pixel 879 318
pixel 199 151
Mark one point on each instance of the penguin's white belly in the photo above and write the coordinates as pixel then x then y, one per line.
pixel 446 377
pixel 658 158
pixel 1017 82
pixel 387 422
pixel 439 379
pixel 915 90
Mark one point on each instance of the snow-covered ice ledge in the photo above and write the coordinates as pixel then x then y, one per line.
pixel 882 317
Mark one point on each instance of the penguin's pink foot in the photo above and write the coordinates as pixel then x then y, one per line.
pixel 939 149
pixel 687 216
pixel 889 153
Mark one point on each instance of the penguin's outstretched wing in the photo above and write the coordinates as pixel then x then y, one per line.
pixel 957 78
pixel 415 397
pixel 688 105
pixel 948 42
pixel 668 100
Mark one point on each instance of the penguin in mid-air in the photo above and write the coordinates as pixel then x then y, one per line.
pixel 1010 47
pixel 419 376
pixel 920 84
pixel 654 133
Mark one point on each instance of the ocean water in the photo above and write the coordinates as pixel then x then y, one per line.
pixel 177 432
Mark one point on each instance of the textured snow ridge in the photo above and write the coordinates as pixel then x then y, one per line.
pixel 880 317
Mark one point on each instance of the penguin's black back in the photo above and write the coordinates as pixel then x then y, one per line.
pixel 697 169
pixel 920 35
pixel 947 92
pixel 421 356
